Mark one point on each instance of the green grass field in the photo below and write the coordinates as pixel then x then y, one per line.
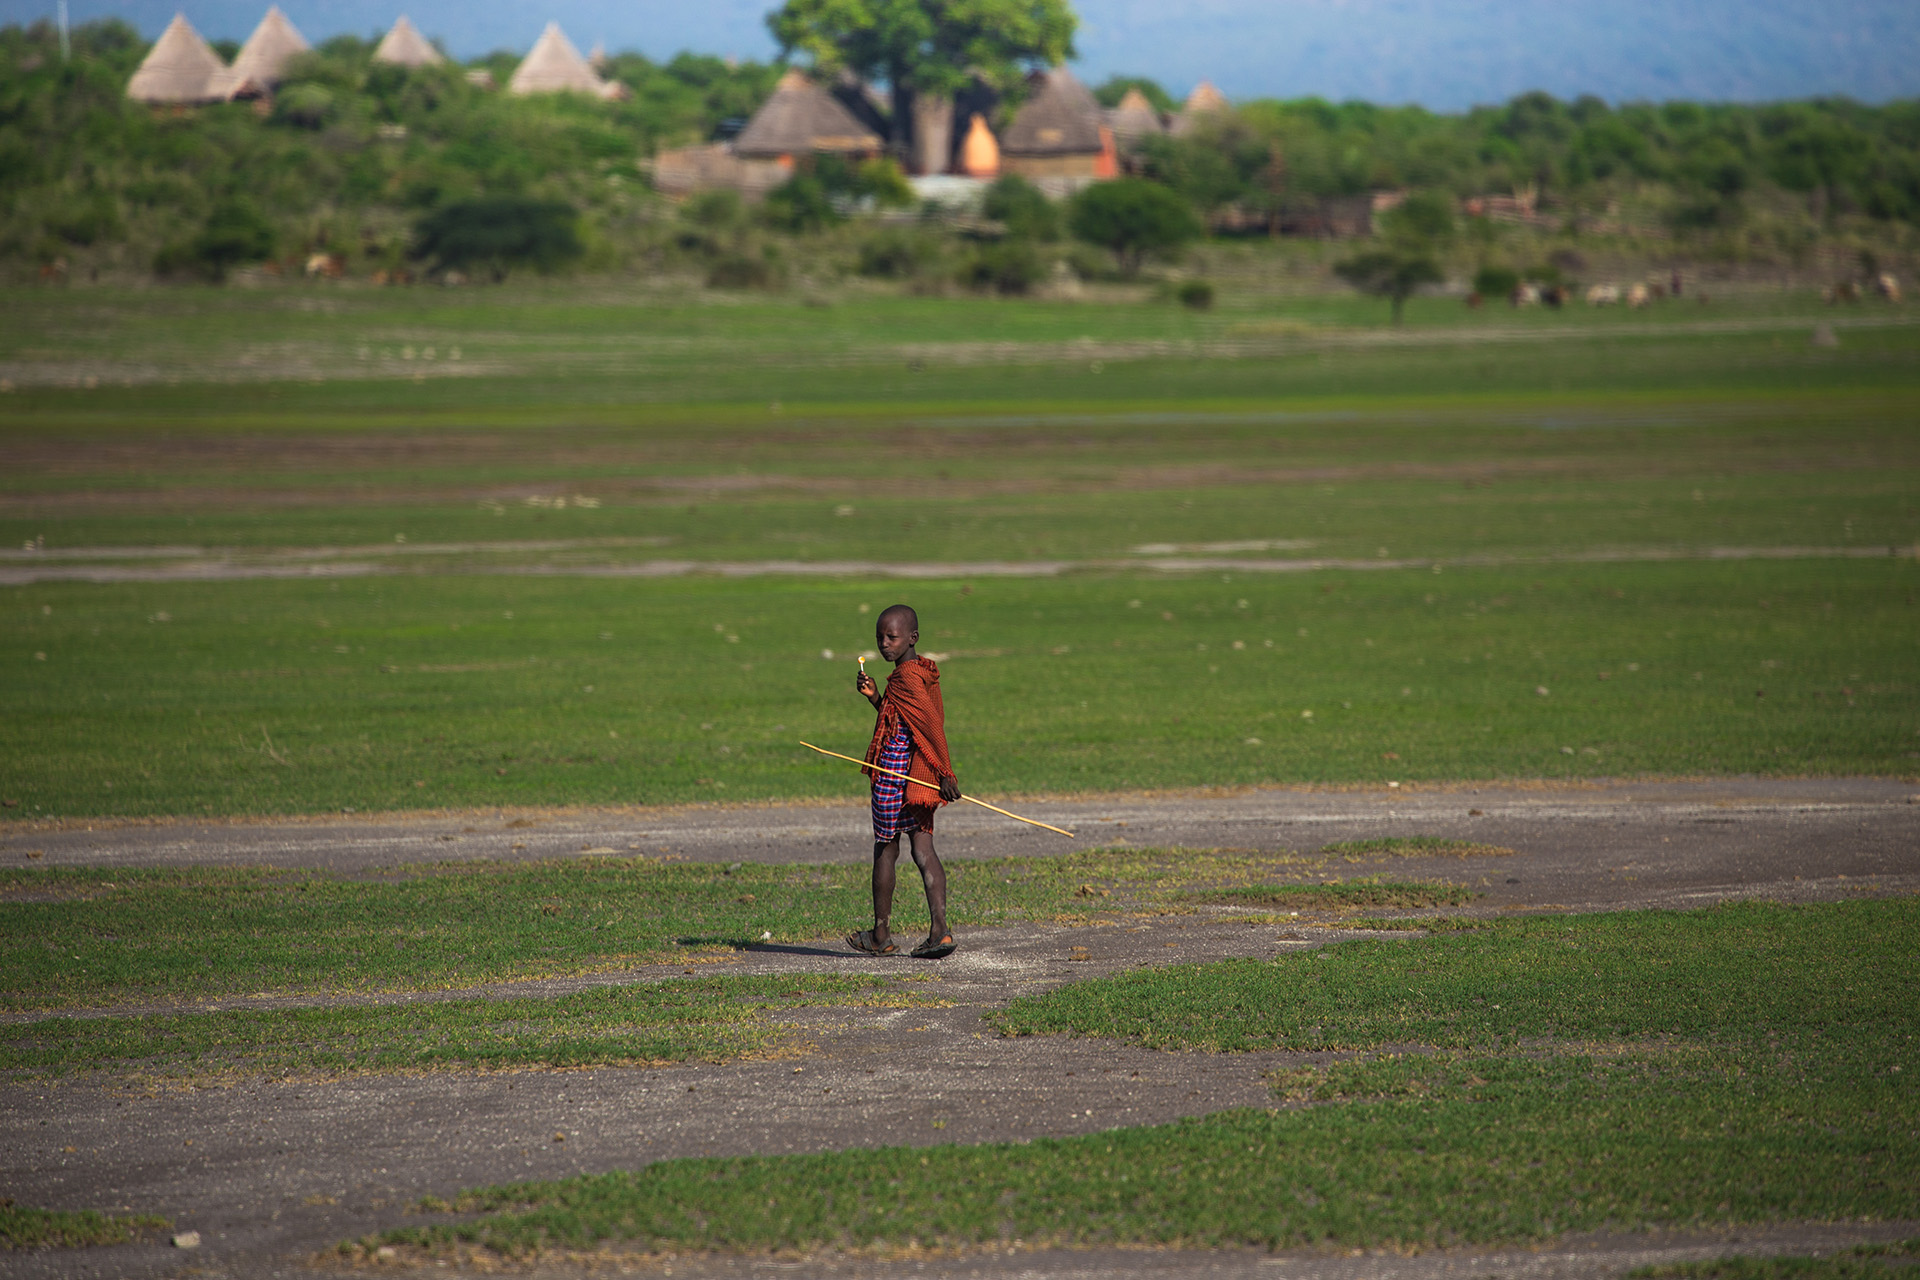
pixel 1553 499
pixel 1740 1064
pixel 99 938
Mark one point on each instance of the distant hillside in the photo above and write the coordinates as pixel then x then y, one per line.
pixel 1443 54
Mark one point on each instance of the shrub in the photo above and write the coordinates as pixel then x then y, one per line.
pixel 235 232
pixel 497 233
pixel 801 203
pixel 1196 295
pixel 740 271
pixel 896 254
pixel 1022 208
pixel 1008 266
pixel 1133 218
pixel 716 210
pixel 306 106
pixel 1495 282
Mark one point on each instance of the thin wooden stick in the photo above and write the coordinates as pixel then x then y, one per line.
pixel 929 786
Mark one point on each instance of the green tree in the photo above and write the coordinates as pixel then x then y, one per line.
pixel 1022 208
pixel 1133 218
pixel 927 46
pixel 496 233
pixel 1390 274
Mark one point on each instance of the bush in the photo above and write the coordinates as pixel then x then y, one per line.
pixel 1195 295
pixel 801 203
pixel 1133 218
pixel 1006 267
pixel 497 233
pixel 896 254
pixel 1022 208
pixel 740 271
pixel 235 233
pixel 1495 282
pixel 306 106
pixel 716 210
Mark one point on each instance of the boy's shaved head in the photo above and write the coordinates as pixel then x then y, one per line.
pixel 903 612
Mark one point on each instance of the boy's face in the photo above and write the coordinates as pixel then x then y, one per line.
pixel 895 637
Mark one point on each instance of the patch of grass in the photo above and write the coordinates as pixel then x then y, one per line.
pixel 92 936
pixel 1734 970
pixel 285 697
pixel 1862 1262
pixel 25 1228
pixel 1735 1065
pixel 676 1020
pixel 1417 847
pixel 1430 924
pixel 1340 896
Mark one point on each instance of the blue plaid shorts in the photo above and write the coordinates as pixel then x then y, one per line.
pixel 892 815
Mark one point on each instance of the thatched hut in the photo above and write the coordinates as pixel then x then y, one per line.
pixel 404 46
pixel 1204 101
pixel 801 119
pixel 1133 121
pixel 555 66
pixel 262 61
pixel 181 67
pixel 1059 132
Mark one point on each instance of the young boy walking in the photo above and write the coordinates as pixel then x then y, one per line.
pixel 910 737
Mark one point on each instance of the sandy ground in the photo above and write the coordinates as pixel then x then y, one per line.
pixel 270 1171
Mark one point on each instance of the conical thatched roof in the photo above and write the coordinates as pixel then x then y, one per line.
pixel 1205 100
pixel 1061 118
pixel 555 66
pixel 180 67
pixel 1134 119
pixel 263 59
pixel 799 119
pixel 404 46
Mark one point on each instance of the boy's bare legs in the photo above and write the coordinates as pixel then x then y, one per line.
pixel 885 854
pixel 935 878
pixel 886 857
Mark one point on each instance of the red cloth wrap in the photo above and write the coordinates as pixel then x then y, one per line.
pixel 912 697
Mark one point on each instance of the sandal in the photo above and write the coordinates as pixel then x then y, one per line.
pixel 934 949
pixel 865 943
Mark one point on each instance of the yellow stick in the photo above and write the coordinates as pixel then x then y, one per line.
pixel 929 786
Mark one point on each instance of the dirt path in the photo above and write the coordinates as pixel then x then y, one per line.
pixel 269 1171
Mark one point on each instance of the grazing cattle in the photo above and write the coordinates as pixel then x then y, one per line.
pixel 1638 297
pixel 1887 286
pixel 1556 296
pixel 1603 295
pixel 329 265
pixel 1525 294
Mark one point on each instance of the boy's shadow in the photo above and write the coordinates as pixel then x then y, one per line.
pixel 766 948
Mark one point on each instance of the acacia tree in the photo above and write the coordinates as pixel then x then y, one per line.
pixel 1411 235
pixel 926 48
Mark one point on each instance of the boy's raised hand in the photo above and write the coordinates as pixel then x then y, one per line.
pixel 863 685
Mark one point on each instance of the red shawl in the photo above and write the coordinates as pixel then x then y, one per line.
pixel 912 697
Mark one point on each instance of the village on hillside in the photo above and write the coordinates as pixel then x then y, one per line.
pixel 1059 137
pixel 394 162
